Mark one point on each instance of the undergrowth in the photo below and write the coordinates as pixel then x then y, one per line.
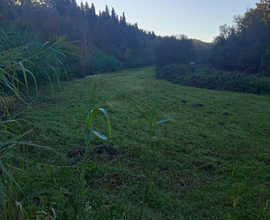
pixel 101 62
pixel 207 78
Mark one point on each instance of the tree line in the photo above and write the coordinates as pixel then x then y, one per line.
pixel 107 42
pixel 245 46
pixel 238 60
pixel 97 34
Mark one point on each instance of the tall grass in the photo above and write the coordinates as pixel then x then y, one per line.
pixel 26 60
pixel 20 59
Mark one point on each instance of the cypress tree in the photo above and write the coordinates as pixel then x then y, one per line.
pixel 107 13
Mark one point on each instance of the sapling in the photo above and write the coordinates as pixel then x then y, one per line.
pixel 149 127
pixel 89 130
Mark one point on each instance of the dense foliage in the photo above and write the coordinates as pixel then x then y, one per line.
pixel 207 78
pixel 23 59
pixel 242 52
pixel 173 50
pixel 245 46
pixel 126 44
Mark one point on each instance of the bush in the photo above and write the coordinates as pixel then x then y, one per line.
pixel 101 62
pixel 172 72
pixel 187 75
pixel 133 59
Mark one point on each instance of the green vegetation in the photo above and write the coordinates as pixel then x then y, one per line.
pixel 211 160
pixel 89 131
pixel 240 51
pixel 172 50
pixel 245 45
pixel 204 77
pixel 149 127
pixel 18 56
pixel 27 60
pixel 101 62
pixel 105 41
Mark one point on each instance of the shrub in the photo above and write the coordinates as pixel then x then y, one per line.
pixel 187 75
pixel 133 59
pixel 172 72
pixel 101 62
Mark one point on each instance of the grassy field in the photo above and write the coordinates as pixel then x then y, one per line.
pixel 211 162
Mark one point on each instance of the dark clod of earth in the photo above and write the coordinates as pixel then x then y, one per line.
pixel 164 169
pixel 98 150
pixel 197 105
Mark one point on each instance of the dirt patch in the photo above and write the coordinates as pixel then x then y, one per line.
pixel 41 106
pixel 101 149
pixel 184 180
pixel 207 167
pixel 108 152
pixel 114 180
pixel 198 105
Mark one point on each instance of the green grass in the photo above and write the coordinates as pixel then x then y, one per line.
pixel 211 161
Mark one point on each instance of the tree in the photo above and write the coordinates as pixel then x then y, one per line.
pixel 61 6
pixel 173 50
pixel 243 46
pixel 64 17
pixel 82 8
pixel 3 9
pixel 114 16
pixel 266 61
pixel 91 15
pixel 86 48
pixel 264 7
pixel 123 23
pixel 107 13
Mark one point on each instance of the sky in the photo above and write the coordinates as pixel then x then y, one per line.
pixel 198 19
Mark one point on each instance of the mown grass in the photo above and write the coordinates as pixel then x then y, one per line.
pixel 211 161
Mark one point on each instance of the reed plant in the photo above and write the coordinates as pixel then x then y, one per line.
pixel 92 114
pixel 16 63
pixel 148 126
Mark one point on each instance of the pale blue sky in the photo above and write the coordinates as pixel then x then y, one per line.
pixel 199 19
